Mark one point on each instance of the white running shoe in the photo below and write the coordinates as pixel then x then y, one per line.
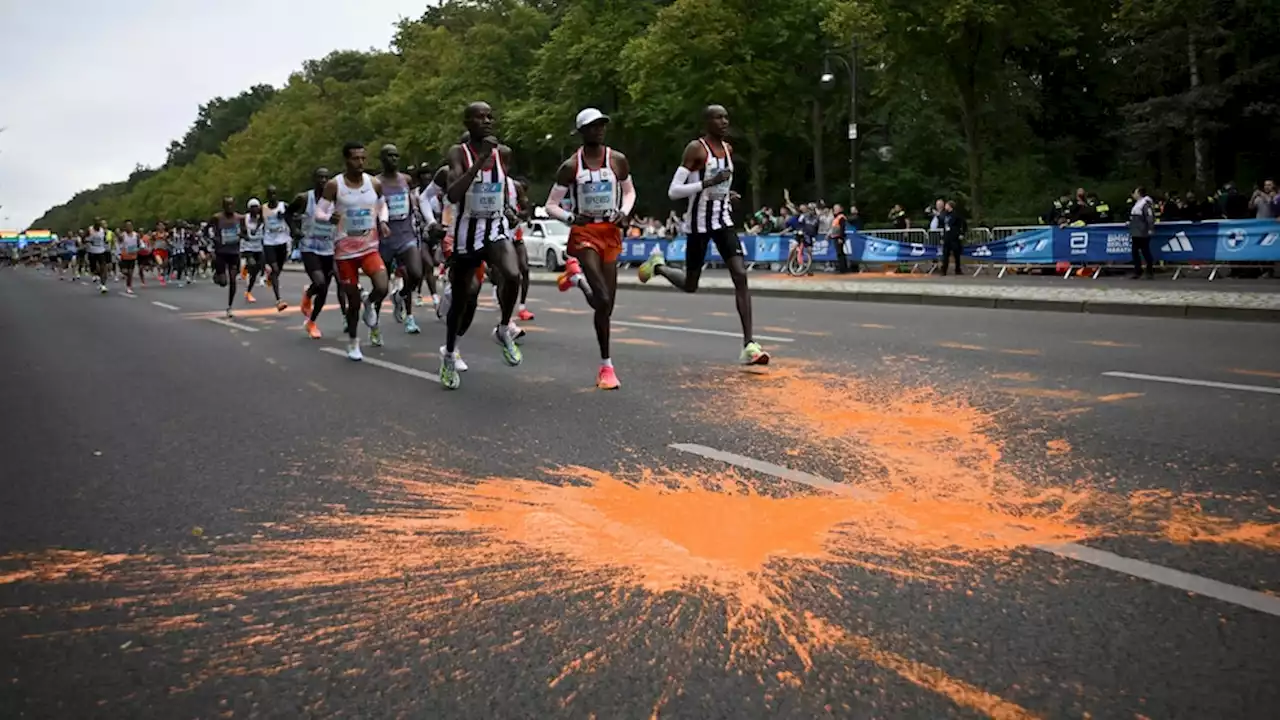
pixel 457 359
pixel 370 312
pixel 353 350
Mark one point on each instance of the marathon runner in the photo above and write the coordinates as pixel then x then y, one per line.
pixel 429 194
pixel 99 255
pixel 478 187
pixel 255 230
pixel 275 245
pixel 604 194
pixel 400 247
pixel 316 242
pixel 523 213
pixel 354 202
pixel 130 249
pixel 228 229
pixel 705 177
pixel 161 240
pixel 67 255
pixel 82 254
pixel 178 252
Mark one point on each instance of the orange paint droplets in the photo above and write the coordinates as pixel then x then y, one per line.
pixel 640 342
pixel 875 326
pixel 960 346
pixel 1117 397
pixel 657 319
pixel 1058 447
pixel 920 674
pixel 1257 373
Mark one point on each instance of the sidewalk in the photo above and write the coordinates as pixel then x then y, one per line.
pixel 1251 300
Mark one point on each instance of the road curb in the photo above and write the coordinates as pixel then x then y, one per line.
pixel 1192 312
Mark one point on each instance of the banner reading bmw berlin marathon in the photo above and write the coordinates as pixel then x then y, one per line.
pixel 1252 241
pixel 1178 242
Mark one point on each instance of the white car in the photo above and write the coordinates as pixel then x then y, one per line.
pixel 546 241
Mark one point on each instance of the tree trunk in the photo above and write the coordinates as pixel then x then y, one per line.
pixel 1198 142
pixel 755 169
pixel 819 172
pixel 973 150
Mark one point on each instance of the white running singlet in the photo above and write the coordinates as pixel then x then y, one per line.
pixel 317 237
pixel 596 193
pixel 97 242
pixel 277 228
pixel 255 231
pixel 358 229
pixel 481 217
pixel 709 208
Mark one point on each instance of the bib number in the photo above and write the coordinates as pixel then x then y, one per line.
pixel 597 198
pixel 720 191
pixel 230 235
pixel 275 225
pixel 484 200
pixel 398 206
pixel 359 221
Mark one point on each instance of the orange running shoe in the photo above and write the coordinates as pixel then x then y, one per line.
pixel 306 305
pixel 281 306
pixel 571 267
pixel 248 297
pixel 244 272
pixel 312 330
pixel 524 315
pixel 607 379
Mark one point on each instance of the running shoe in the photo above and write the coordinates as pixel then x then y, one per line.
pixel 128 291
pixel 353 350
pixel 248 297
pixel 375 337
pixel 516 333
pixel 753 354
pixel 244 272
pixel 449 374
pixel 569 278
pixel 458 362
pixel 102 289
pixel 411 326
pixel 370 312
pixel 397 304
pixel 442 307
pixel 421 301
pixel 511 353
pixel 281 306
pixel 607 379
pixel 648 267
pixel 306 305
pixel 435 299
pixel 312 330
pixel 230 315
pixel 524 315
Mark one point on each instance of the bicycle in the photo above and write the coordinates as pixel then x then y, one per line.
pixel 800 257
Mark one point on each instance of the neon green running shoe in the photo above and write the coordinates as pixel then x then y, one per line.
pixel 648 266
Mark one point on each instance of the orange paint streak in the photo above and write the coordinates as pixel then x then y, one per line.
pixel 566 311
pixel 639 341
pixel 1012 351
pixel 778 329
pixel 1015 376
pixel 722 314
pixel 875 326
pixel 960 346
pixel 920 674
pixel 1117 397
pixel 657 319
pixel 239 313
pixel 1047 393
pixel 1257 373
pixel 1058 447
pixel 1106 344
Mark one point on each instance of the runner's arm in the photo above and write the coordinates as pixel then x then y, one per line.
pixel 460 178
pixel 325 209
pixel 564 178
pixel 622 169
pixel 695 159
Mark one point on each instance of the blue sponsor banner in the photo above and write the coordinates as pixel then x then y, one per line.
pixel 638 249
pixel 1173 242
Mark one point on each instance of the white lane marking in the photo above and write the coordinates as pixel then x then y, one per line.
pixel 698 331
pixel 1232 594
pixel 384 364
pixel 232 325
pixel 768 468
pixel 1243 597
pixel 166 306
pixel 122 293
pixel 1197 383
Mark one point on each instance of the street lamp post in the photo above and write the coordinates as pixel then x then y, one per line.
pixel 828 80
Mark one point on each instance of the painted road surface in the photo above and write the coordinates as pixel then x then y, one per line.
pixel 914 512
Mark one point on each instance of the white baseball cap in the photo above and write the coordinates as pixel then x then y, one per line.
pixel 588 116
pixel 254 202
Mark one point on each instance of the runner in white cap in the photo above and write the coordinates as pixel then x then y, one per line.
pixel 255 231
pixel 603 193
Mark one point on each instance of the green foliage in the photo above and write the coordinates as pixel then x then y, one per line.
pixel 1004 104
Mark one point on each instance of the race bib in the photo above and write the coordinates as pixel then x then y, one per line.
pixel 230 235
pixel 597 198
pixel 485 199
pixel 721 190
pixel 276 225
pixel 398 206
pixel 359 221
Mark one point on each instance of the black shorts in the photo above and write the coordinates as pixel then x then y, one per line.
pixel 276 254
pixel 127 265
pixel 146 260
pixel 726 240
pixel 323 264
pixel 82 255
pixel 252 259
pixel 98 261
pixel 224 262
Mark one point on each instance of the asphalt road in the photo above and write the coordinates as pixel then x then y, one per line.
pixel 201 520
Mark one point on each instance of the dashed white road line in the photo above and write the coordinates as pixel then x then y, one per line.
pixel 166 306
pixel 232 325
pixel 1169 577
pixel 1196 383
pixel 122 293
pixel 413 372
pixel 697 331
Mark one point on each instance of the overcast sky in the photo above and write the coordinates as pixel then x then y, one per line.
pixel 89 89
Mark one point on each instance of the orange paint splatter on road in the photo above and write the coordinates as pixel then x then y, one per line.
pixel 1058 447
pixel 958 691
pixel 1117 397
pixel 722 314
pixel 639 341
pixel 875 326
pixel 1015 376
pixel 960 346
pixel 778 329
pixel 1048 393
pixel 658 319
pixel 1106 343
pixel 1257 373
pixel 1015 351
pixel 566 311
